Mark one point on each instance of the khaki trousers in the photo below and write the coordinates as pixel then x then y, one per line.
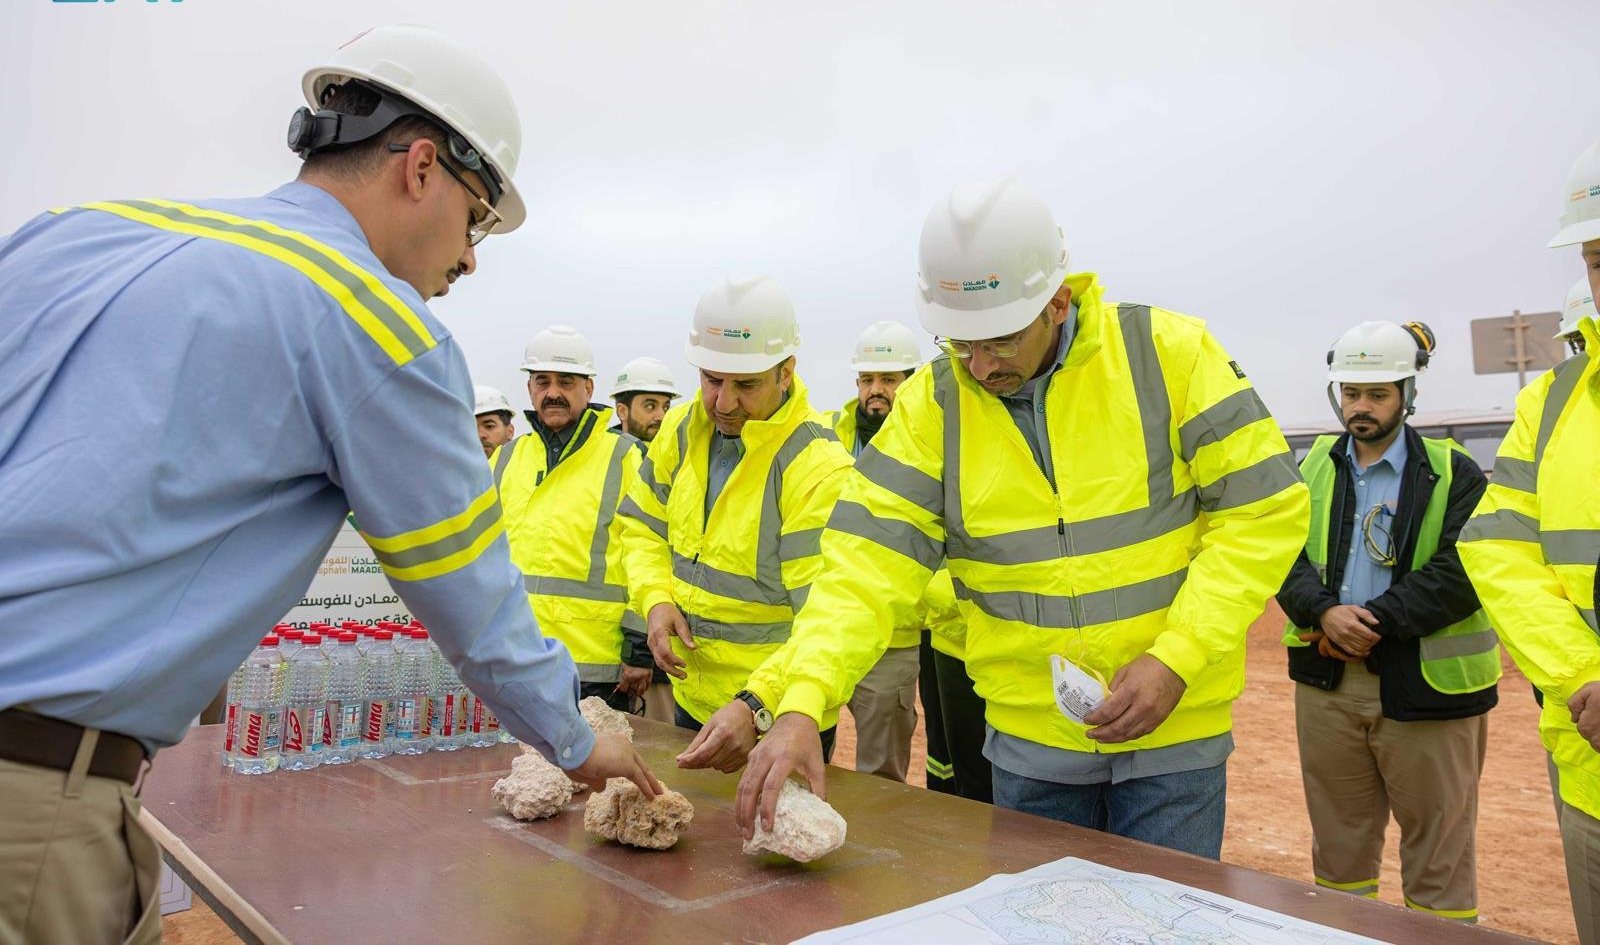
pixel 75 866
pixel 1359 766
pixel 658 704
pixel 1580 842
pixel 884 707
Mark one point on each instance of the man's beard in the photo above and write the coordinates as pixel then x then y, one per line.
pixel 1380 432
pixel 643 431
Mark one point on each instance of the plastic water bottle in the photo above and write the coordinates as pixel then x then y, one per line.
pixel 378 660
pixel 306 705
pixel 412 711
pixel 483 729
pixel 449 705
pixel 289 641
pixel 342 723
pixel 230 737
pixel 260 710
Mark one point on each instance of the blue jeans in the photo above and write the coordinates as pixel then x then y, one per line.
pixel 684 720
pixel 1181 811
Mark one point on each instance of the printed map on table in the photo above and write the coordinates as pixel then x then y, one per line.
pixel 1073 901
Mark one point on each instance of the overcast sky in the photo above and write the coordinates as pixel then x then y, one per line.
pixel 1282 170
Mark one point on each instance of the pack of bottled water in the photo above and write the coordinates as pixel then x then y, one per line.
pixel 330 695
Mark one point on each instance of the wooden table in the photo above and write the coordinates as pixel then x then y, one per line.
pixel 413 849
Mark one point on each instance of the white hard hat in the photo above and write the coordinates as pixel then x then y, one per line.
pixel 991 256
pixel 886 346
pixel 1579 305
pixel 488 400
pixel 1580 206
pixel 742 325
pixel 560 349
pixel 447 78
pixel 645 376
pixel 1378 353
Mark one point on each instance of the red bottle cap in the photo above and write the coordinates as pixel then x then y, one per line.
pixel 312 639
pixel 269 640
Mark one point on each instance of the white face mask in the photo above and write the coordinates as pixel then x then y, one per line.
pixel 1077 692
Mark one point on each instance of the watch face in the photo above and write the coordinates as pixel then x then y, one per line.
pixel 763 720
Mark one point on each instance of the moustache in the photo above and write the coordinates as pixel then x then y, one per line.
pixel 554 402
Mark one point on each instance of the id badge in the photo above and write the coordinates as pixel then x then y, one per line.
pixel 1077 692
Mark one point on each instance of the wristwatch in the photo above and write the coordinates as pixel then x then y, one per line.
pixel 763 715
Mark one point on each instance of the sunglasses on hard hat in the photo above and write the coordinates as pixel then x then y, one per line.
pixel 477 227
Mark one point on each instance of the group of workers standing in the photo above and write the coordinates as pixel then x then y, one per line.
pixel 1074 489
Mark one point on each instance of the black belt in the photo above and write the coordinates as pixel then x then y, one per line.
pixel 31 739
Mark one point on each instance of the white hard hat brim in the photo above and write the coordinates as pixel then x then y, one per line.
pixel 644 389
pixel 513 212
pixel 997 322
pixel 726 363
pixel 1577 233
pixel 556 367
pixel 1368 377
pixel 863 367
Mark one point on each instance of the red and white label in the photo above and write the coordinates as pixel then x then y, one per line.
pixel 233 727
pixel 374 732
pixel 255 724
pixel 293 732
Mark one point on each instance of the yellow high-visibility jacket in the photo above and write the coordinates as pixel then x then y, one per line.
pixel 563 529
pixel 740 573
pixel 1531 547
pixel 844 424
pixel 1176 511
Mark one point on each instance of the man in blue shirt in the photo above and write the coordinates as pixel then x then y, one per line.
pixel 144 546
pixel 1394 662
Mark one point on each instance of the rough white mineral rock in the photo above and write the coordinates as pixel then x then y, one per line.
pixel 602 718
pixel 804 827
pixel 535 788
pixel 621 813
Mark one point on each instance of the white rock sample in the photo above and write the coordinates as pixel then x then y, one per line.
pixel 621 813
pixel 804 827
pixel 604 719
pixel 535 788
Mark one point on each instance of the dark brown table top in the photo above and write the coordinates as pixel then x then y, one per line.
pixel 413 849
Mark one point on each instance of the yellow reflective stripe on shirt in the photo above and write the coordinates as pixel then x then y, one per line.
pixel 443 546
pixel 371 304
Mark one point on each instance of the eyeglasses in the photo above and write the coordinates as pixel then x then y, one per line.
pixel 1377 538
pixel 1001 348
pixel 477 227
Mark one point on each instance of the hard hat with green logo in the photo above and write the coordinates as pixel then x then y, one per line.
pixel 990 257
pixel 742 325
pixel 886 346
pixel 560 350
pixel 1580 206
pixel 645 376
pixel 1380 353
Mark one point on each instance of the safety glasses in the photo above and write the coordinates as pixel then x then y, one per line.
pixel 477 227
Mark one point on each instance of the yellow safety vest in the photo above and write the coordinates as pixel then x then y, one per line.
pixel 1531 548
pixel 740 573
pixel 1463 657
pixel 562 527
pixel 1175 513
pixel 844 424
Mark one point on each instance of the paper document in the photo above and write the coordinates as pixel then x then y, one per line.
pixel 1074 901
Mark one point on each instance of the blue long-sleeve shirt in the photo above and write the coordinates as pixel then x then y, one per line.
pixel 184 421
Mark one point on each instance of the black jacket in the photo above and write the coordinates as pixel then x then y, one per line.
pixel 1416 604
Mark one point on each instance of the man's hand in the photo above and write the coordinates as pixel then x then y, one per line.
pixel 635 681
pixel 1349 627
pixel 1143 694
pixel 615 757
pixel 664 621
pixel 724 742
pixel 1327 648
pixel 1585 708
pixel 792 745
